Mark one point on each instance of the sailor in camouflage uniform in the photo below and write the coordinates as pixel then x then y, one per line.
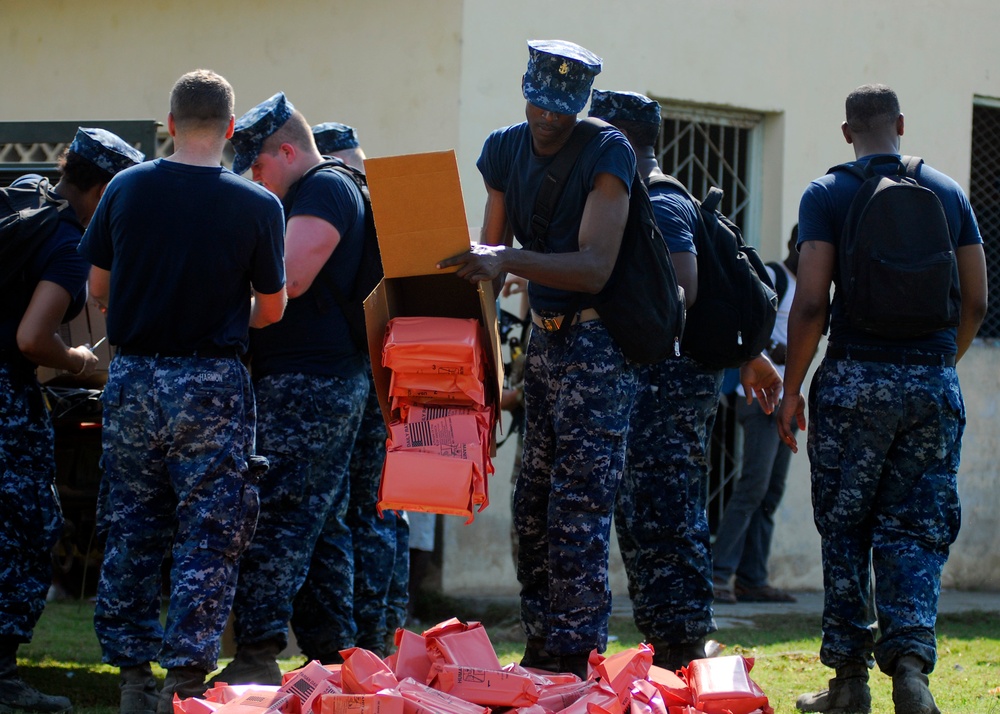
pixel 181 287
pixel 661 517
pixel 578 387
pixel 373 539
pixel 312 385
pixel 49 289
pixel 885 431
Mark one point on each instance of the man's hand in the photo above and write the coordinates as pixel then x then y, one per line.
pixel 760 379
pixel 793 406
pixel 481 262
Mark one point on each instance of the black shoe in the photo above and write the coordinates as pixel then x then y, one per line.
pixel 537 657
pixel 848 694
pixel 762 594
pixel 575 664
pixel 16 695
pixel 675 657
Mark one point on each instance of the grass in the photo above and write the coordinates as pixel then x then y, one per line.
pixel 64 657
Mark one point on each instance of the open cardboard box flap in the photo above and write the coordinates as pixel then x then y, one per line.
pixel 420 217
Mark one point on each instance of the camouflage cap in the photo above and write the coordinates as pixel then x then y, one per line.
pixel 559 75
pixel 626 106
pixel 255 126
pixel 334 136
pixel 105 150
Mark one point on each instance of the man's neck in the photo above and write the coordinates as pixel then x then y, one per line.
pixel 875 146
pixel 197 151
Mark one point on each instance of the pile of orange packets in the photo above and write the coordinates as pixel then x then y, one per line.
pixel 452 668
pixel 438 452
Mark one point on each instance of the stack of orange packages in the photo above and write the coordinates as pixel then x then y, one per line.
pixel 452 668
pixel 438 451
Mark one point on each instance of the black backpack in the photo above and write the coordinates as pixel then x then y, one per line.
pixel 641 305
pixel 896 261
pixel 369 269
pixel 736 306
pixel 29 214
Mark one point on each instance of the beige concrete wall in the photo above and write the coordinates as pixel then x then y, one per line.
pixel 423 75
pixel 388 68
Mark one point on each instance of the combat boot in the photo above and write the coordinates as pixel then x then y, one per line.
pixel 575 664
pixel 185 682
pixel 537 657
pixel 674 657
pixel 138 690
pixel 16 695
pixel 254 663
pixel 910 691
pixel 848 693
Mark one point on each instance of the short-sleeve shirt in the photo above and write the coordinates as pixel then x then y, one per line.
pixel 313 337
pixel 822 214
pixel 676 217
pixel 509 164
pixel 184 245
pixel 54 260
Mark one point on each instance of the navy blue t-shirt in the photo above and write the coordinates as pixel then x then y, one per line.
pixel 184 245
pixel 313 336
pixel 676 217
pixel 822 214
pixel 56 261
pixel 509 164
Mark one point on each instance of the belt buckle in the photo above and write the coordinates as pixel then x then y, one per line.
pixel 550 324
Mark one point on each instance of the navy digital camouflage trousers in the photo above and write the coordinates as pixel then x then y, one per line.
pixel 337 608
pixel 578 393
pixel 661 517
pixel 884 443
pixel 177 435
pixel 398 598
pixel 29 503
pixel 306 428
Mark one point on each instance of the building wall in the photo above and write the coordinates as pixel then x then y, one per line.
pixel 391 69
pixel 426 75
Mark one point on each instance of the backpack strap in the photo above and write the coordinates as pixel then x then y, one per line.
pixel 780 279
pixel 555 179
pixel 912 165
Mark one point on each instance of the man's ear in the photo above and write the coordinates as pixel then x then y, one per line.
pixel 232 126
pixel 899 125
pixel 289 152
pixel 847 133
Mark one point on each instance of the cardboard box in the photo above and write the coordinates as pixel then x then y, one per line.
pixel 420 217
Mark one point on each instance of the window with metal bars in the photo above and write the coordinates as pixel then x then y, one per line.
pixel 706 147
pixel 984 194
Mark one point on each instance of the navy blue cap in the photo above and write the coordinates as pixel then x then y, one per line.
pixel 626 106
pixel 334 136
pixel 559 75
pixel 255 126
pixel 105 150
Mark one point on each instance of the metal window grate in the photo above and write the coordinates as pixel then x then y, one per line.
pixel 984 194
pixel 705 148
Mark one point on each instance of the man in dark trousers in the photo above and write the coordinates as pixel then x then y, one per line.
pixel 312 385
pixel 49 290
pixel 186 257
pixel 743 539
pixel 661 513
pixel 579 387
pixel 886 419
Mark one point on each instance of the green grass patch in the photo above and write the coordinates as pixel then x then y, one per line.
pixel 65 658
